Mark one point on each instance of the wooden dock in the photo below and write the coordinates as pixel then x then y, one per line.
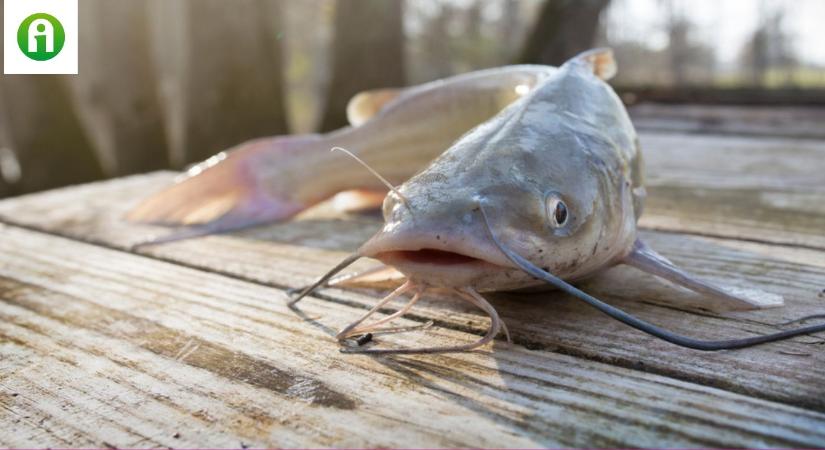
pixel 191 344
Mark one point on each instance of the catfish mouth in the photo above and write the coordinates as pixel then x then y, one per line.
pixel 441 267
pixel 430 256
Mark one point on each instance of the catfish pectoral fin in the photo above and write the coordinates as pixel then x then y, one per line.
pixel 719 299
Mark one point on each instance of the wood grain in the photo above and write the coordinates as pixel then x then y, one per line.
pixel 101 347
pixel 294 253
pixel 752 120
pixel 761 188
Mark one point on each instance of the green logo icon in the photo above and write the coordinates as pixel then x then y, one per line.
pixel 41 37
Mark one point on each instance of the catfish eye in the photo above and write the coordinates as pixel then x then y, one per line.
pixel 556 211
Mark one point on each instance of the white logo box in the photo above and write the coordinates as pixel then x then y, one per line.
pixel 15 12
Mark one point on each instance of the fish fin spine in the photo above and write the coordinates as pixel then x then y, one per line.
pixel 600 60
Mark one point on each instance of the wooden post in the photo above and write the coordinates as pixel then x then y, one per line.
pixel 368 53
pixel 221 72
pixel 116 93
pixel 563 29
pixel 6 156
pixel 45 134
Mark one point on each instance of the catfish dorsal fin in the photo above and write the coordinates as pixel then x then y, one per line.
pixel 600 60
pixel 367 104
pixel 647 260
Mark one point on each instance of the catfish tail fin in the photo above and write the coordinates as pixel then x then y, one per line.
pixel 229 191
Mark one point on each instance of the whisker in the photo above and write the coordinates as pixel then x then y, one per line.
pixel 373 326
pixel 396 330
pixel 633 321
pixel 376 174
pixel 481 300
pixel 495 327
pixel 303 292
pixel 351 328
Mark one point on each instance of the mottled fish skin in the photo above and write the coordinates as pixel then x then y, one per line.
pixel 570 137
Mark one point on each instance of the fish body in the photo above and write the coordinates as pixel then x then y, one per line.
pixel 570 140
pixel 545 187
pixel 396 131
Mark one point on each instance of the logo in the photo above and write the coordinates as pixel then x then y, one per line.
pixel 41 37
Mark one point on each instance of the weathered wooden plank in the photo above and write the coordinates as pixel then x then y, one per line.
pixel 766 189
pixel 294 253
pixel 115 349
pixel 775 120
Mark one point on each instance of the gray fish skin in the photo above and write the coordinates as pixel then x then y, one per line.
pixel 409 132
pixel 272 179
pixel 570 138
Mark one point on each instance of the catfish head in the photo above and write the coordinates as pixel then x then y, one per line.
pixel 553 171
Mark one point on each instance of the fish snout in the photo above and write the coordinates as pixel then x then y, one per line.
pixel 437 242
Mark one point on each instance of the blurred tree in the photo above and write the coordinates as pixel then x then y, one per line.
pixel 509 29
pixel 679 48
pixel 473 20
pixel 221 72
pixel 563 29
pixel 45 134
pixel 367 53
pixel 691 61
pixel 42 144
pixel 435 41
pixel 639 65
pixel 9 166
pixel 5 145
pixel 116 91
pixel 769 48
pixel 308 29
pixel 479 43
